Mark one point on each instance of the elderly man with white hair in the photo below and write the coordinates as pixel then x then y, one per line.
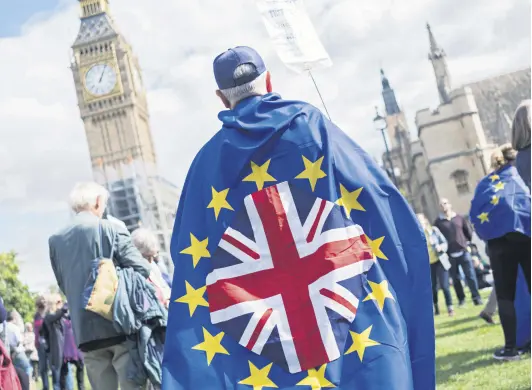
pixel 146 242
pixel 73 251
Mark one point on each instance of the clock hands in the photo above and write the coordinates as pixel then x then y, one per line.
pixel 101 76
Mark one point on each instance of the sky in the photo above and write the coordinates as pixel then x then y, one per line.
pixel 43 150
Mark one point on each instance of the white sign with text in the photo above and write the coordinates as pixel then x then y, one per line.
pixel 293 35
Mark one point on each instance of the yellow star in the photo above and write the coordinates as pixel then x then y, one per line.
pixel 375 246
pixel 349 200
pixel 193 298
pixel 211 345
pixel 360 342
pixel 499 186
pixel 312 171
pixel 483 218
pixel 494 200
pixel 197 249
pixel 316 379
pixel 259 174
pixel 219 201
pixel 379 292
pixel 494 177
pixel 258 378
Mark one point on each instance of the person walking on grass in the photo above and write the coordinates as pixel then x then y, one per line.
pixel 458 233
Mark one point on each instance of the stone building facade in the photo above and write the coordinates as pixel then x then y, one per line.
pixel 456 139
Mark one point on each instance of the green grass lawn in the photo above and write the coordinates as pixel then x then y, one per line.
pixel 464 349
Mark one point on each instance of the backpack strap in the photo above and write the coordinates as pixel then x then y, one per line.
pixel 100 243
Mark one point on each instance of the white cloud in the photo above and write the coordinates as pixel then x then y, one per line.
pixel 43 149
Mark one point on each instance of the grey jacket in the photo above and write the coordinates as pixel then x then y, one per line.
pixel 138 313
pixel 73 251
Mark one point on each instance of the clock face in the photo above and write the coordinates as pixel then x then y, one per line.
pixel 100 79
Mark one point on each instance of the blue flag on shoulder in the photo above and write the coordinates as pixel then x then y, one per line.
pixel 501 205
pixel 298 265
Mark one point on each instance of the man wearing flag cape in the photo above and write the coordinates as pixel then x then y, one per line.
pixel 298 265
pixel 500 212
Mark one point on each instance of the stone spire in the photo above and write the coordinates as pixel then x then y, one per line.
pixel 388 95
pixel 439 63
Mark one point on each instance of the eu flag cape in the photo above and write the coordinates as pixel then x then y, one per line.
pixel 501 205
pixel 297 263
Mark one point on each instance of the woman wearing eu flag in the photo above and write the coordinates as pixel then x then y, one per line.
pixel 500 212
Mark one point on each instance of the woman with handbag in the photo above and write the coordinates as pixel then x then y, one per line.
pixel 439 264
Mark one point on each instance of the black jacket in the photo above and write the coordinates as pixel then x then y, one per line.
pixel 457 231
pixel 52 331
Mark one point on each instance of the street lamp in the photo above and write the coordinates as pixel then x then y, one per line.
pixel 480 156
pixel 380 125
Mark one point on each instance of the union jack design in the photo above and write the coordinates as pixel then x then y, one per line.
pixel 287 277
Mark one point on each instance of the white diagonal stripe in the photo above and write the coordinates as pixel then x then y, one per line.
pixel 311 217
pixel 250 328
pixel 243 239
pixel 236 252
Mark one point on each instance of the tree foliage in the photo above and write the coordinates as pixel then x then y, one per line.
pixel 16 294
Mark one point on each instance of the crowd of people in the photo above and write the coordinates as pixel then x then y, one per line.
pixel 455 258
pixel 48 349
pixel 44 348
pixel 113 322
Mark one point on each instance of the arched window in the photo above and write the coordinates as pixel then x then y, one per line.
pixel 461 181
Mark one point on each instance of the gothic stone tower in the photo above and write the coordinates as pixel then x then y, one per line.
pixel 452 137
pixel 113 107
pixel 399 138
pixel 112 100
pixel 439 62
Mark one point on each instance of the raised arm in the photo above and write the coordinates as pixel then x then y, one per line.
pixel 54 317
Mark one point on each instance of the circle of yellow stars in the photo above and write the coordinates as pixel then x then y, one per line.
pixel 198 249
pixel 498 186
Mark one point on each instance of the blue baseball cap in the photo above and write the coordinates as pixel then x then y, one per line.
pixel 224 66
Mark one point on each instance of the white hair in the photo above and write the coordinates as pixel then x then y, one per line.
pixel 84 196
pixel 146 242
pixel 256 87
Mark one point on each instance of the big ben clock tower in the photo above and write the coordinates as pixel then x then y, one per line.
pixel 113 107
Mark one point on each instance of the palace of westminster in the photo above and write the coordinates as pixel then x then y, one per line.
pixel 449 157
